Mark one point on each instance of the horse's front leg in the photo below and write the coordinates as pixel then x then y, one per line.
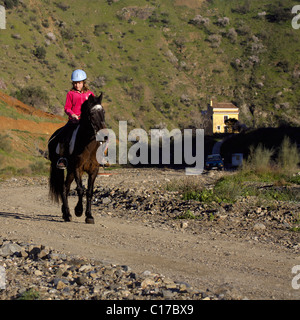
pixel 89 194
pixel 66 189
pixel 80 192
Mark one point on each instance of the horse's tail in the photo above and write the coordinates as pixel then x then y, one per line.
pixel 56 182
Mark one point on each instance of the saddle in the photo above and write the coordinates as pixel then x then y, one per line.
pixel 66 143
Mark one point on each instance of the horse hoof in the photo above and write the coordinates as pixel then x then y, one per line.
pixel 89 220
pixel 68 218
pixel 78 212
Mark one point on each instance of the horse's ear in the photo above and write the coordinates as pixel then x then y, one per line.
pixel 91 98
pixel 100 98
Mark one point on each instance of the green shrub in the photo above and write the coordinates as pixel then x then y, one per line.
pixel 288 156
pixel 98 28
pixel 62 6
pixel 39 167
pixel 9 4
pixel 5 143
pixel 295 179
pixel 34 96
pixel 227 190
pixel 30 294
pixel 8 171
pixel 259 159
pixel 187 215
pixel 39 52
pixel 67 33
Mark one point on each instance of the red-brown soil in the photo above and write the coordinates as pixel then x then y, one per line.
pixel 44 127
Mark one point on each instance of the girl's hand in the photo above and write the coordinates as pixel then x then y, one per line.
pixel 74 116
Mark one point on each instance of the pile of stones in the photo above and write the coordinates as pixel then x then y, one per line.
pixel 29 271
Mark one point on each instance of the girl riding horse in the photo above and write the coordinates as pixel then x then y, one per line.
pixel 75 98
pixel 82 159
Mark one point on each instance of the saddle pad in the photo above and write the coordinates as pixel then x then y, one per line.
pixel 73 139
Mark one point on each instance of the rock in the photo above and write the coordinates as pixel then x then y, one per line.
pixel 147 282
pixel 126 268
pixel 9 249
pixel 259 227
pixel 51 36
pixel 23 253
pixel 184 225
pixel 167 294
pixel 57 256
pixel 16 36
pixel 97 289
pixel 59 272
pixel 258 210
pixel 38 273
pixel 81 280
pixel 106 200
pixel 60 285
pixel 146 273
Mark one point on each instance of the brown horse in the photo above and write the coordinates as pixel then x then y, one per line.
pixel 82 159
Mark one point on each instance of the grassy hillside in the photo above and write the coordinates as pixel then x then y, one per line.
pixel 159 62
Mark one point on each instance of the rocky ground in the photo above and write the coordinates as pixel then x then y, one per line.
pixel 39 272
pixel 245 219
pixel 144 245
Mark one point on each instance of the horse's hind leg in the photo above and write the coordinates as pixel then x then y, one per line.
pixel 65 206
pixel 89 194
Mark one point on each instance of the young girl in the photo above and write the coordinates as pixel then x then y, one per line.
pixel 75 98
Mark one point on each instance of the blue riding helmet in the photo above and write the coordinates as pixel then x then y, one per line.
pixel 78 75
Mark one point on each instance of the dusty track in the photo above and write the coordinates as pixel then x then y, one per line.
pixel 245 268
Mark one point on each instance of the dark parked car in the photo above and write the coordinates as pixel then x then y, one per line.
pixel 214 161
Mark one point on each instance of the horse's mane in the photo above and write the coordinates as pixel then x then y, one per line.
pixel 84 112
pixel 91 117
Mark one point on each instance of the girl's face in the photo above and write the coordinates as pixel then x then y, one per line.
pixel 78 85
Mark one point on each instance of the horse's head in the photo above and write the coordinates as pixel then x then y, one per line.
pixel 92 112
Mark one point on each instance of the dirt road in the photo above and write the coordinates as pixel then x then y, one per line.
pixel 243 266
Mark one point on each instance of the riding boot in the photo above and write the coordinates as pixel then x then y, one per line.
pixel 62 162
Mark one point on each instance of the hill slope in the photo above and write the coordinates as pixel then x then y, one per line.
pixel 158 62
pixel 24 132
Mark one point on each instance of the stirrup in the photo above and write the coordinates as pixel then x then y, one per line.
pixel 62 163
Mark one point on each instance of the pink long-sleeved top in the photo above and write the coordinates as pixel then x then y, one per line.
pixel 74 100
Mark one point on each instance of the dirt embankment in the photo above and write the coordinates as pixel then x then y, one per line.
pixel 48 124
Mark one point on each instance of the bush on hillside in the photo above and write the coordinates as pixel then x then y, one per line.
pixel 34 96
pixel 5 143
pixel 39 52
pixel 62 6
pixel 10 4
pixel 67 33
